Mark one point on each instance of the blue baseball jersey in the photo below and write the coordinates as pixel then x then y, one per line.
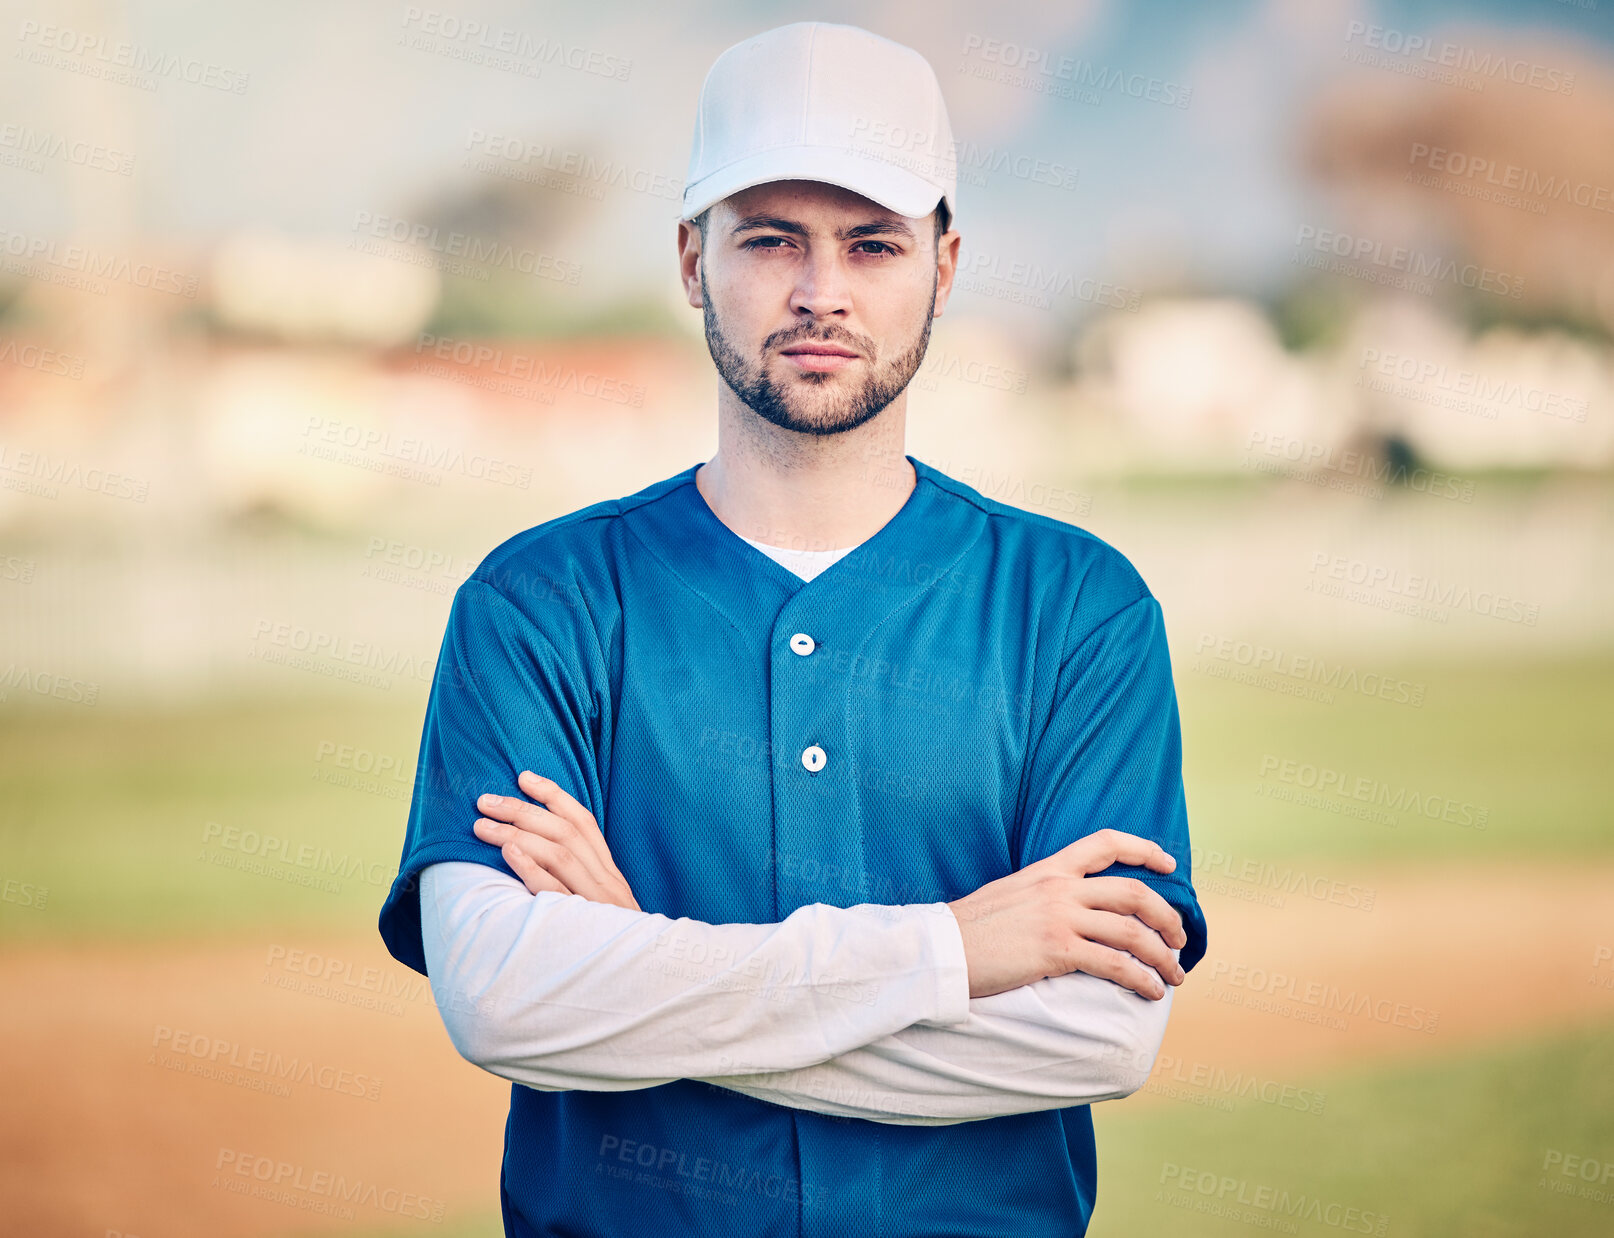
pixel 971 689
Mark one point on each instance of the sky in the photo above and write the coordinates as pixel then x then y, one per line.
pixel 340 115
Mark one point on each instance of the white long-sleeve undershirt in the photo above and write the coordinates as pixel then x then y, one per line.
pixel 555 991
pixel 859 1012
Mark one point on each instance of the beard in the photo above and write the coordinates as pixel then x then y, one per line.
pixel 823 402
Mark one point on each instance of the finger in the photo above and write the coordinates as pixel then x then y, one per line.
pixel 542 823
pixel 530 871
pixel 1131 935
pixel 1099 850
pixel 556 858
pixel 1130 896
pixel 563 804
pixel 1117 966
pixel 557 799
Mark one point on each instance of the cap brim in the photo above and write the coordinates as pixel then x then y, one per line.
pixel 893 187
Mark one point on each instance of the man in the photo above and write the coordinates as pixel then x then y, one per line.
pixel 814 890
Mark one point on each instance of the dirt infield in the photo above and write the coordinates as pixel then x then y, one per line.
pixel 223 1089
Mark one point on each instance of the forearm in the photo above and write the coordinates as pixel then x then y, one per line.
pixel 1067 1040
pixel 555 991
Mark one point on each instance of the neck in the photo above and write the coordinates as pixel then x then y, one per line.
pixel 806 491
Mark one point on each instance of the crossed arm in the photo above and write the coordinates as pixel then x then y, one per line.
pixel 859 1012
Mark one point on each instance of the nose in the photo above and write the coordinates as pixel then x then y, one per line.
pixel 822 288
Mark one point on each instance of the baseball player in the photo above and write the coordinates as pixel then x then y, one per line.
pixel 804 835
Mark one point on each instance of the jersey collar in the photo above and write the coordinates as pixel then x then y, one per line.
pixel 917 549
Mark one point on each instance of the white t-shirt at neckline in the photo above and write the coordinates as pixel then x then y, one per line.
pixel 805 563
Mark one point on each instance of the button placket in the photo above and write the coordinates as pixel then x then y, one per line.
pixel 813 758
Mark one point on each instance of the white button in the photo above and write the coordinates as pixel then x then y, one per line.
pixel 802 643
pixel 813 758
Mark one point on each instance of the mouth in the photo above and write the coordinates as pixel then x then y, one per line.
pixel 818 350
pixel 819 358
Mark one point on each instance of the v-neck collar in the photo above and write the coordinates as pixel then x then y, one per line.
pixel 906 555
pixel 713 526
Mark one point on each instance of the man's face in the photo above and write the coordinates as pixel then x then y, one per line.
pixel 793 264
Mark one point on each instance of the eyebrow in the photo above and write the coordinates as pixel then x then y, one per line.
pixel 772 223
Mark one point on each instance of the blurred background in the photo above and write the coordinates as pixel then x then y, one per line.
pixel 1304 305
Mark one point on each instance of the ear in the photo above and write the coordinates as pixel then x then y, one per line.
pixel 689 258
pixel 946 268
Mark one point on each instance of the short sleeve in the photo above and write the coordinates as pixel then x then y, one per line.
pixel 1111 758
pixel 505 696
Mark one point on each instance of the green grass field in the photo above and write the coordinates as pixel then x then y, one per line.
pixel 1526 743
pixel 124 819
pixel 1464 1148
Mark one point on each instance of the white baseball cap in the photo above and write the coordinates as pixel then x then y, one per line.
pixel 820 101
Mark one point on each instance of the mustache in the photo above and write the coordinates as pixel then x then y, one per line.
pixel 844 338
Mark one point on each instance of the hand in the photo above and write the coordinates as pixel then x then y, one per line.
pixel 1050 918
pixel 556 847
